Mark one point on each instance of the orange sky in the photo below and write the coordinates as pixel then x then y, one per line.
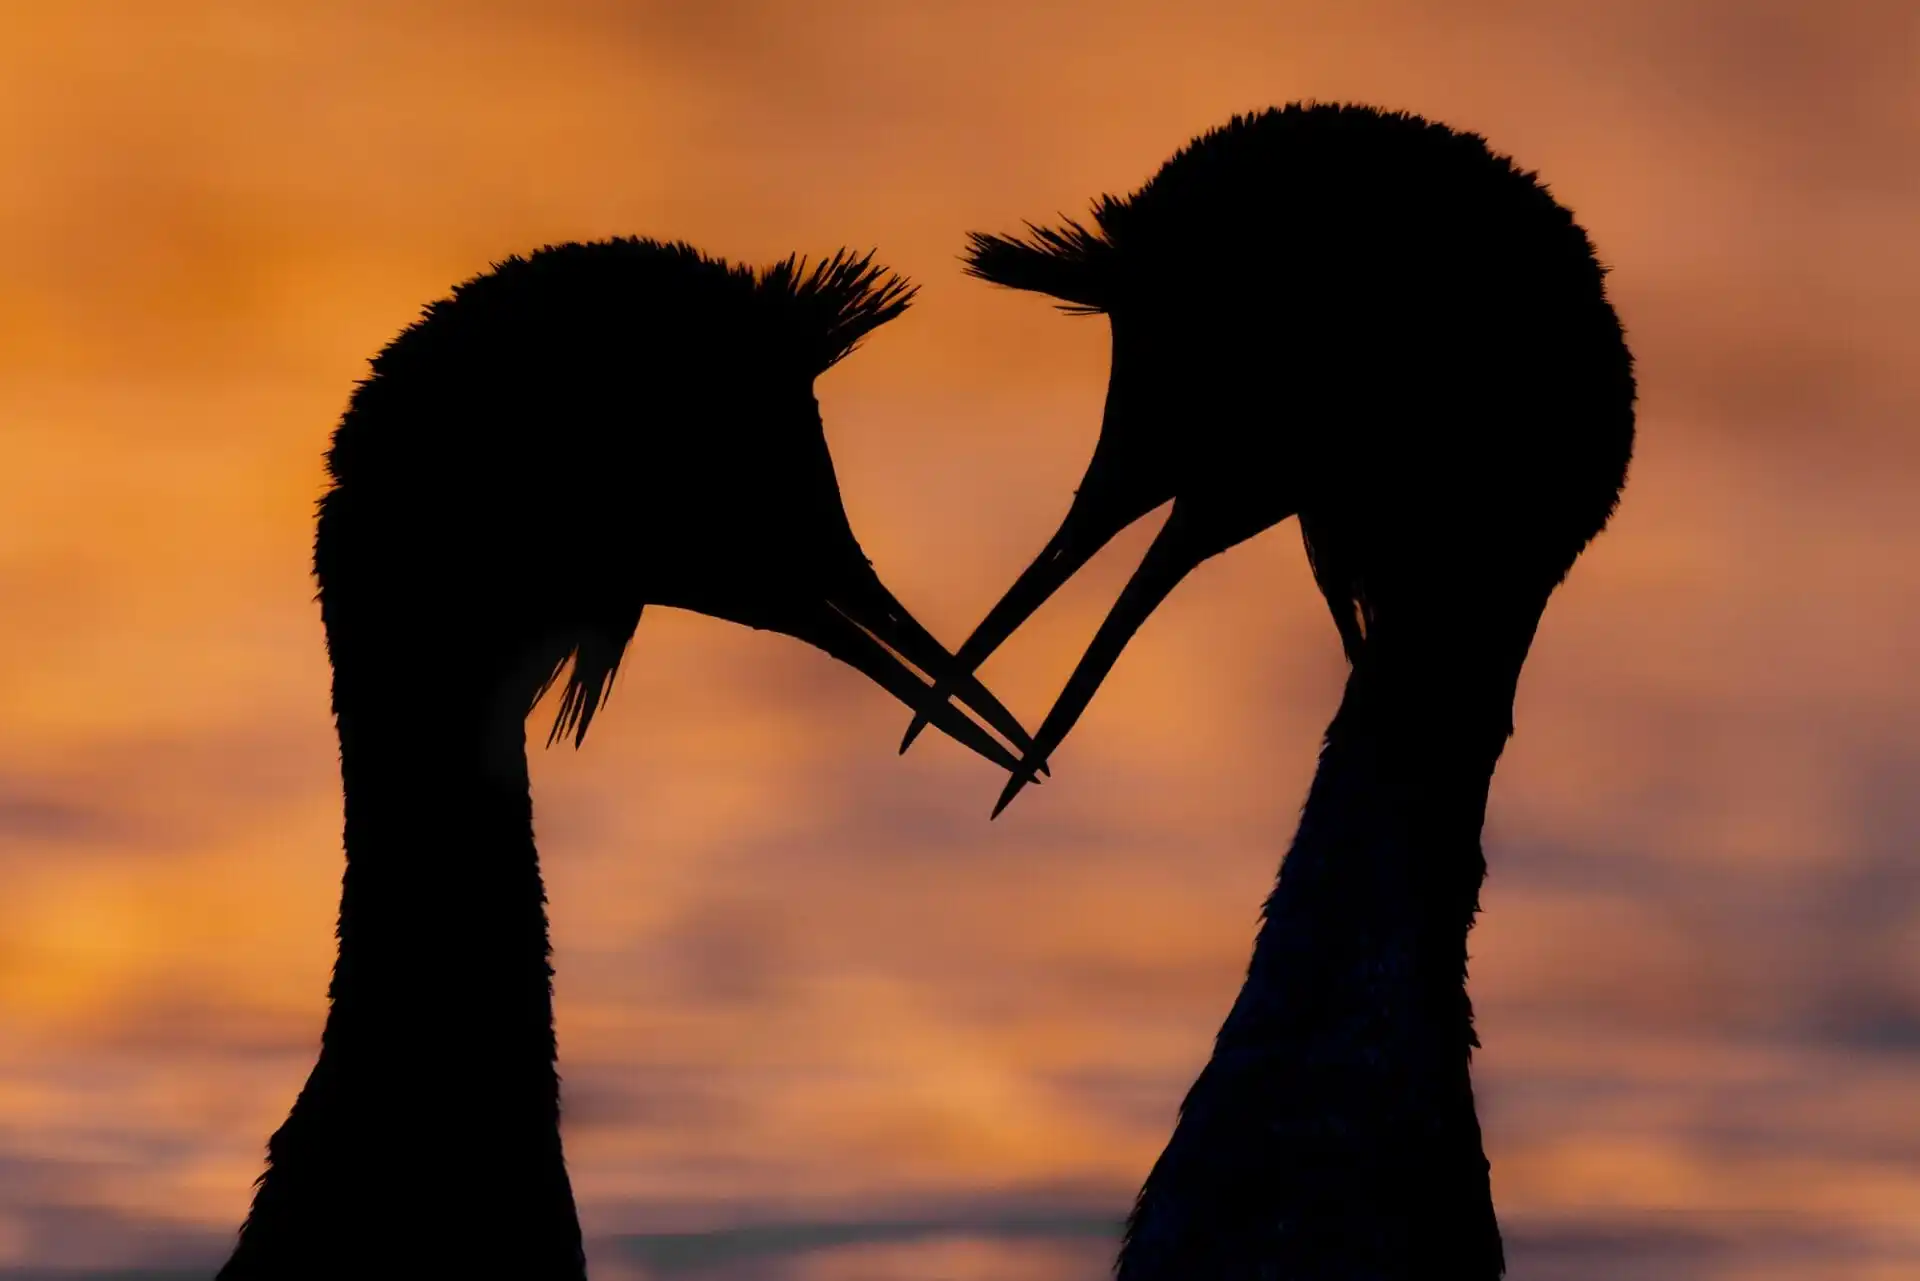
pixel 799 977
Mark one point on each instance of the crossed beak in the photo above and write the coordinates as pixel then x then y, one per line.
pixel 1110 499
pixel 861 623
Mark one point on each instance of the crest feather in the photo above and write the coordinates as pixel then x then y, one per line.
pixel 1072 262
pixel 836 303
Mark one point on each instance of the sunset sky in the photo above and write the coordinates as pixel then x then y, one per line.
pixel 802 980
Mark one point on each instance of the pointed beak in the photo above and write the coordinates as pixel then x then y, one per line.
pixel 1091 523
pixel 869 605
pixel 863 625
pixel 1196 529
pixel 1181 545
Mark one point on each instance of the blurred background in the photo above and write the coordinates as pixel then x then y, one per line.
pixel 818 1018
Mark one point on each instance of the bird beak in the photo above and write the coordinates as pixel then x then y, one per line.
pixel 1183 542
pixel 1110 499
pixel 863 625
pixel 1101 509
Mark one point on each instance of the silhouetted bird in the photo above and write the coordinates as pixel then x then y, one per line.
pixel 566 439
pixel 1371 322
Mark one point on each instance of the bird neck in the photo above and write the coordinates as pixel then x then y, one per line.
pixel 1408 759
pixel 434 1106
pixel 1362 948
pixel 442 909
pixel 1333 1132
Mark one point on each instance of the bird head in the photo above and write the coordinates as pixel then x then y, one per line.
pixel 598 427
pixel 1364 320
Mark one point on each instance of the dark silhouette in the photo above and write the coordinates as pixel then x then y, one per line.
pixel 1371 322
pixel 567 438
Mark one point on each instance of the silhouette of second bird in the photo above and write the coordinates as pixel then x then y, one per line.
pixel 566 439
pixel 1374 323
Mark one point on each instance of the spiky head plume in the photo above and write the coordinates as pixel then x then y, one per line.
pixel 836 303
pixel 1072 262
